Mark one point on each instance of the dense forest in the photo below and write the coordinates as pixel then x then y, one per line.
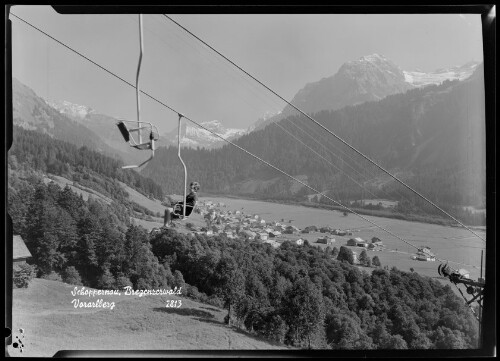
pixel 433 137
pixel 297 295
pixel 31 149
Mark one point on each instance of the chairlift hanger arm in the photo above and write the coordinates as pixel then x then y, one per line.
pixel 183 164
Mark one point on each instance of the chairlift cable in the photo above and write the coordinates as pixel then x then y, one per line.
pixel 252 89
pixel 273 103
pixel 217 135
pixel 326 129
pixel 319 155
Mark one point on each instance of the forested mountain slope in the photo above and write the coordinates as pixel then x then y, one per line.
pixel 434 135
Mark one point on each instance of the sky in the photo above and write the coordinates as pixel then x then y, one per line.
pixel 284 51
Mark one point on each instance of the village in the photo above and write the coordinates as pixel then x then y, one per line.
pixel 220 221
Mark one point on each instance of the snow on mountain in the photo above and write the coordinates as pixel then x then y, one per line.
pixel 263 121
pixel 369 78
pixel 71 109
pixel 419 78
pixel 193 136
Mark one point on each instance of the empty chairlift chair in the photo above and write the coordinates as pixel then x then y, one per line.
pixel 127 134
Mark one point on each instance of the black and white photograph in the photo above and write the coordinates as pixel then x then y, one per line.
pixel 221 181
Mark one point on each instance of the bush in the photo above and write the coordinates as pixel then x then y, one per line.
pixel 52 276
pixel 122 282
pixel 179 280
pixel 106 281
pixel 192 292
pixel 23 274
pixel 71 276
pixel 215 301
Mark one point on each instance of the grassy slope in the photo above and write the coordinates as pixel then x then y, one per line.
pixel 51 323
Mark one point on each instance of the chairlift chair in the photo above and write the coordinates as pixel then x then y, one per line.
pixel 127 134
pixel 137 126
pixel 181 209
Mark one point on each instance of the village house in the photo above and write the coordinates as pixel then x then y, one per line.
pixel 359 242
pixel 351 242
pixel 425 254
pixel 274 234
pixel 326 240
pixel 311 228
pixel 263 236
pixel 20 252
pixel 426 250
pixel 424 257
pixel 376 241
pixel 249 234
pixel 272 243
pixel 299 242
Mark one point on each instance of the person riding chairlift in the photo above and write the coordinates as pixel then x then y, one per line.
pixel 191 200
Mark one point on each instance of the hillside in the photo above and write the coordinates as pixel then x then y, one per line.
pixel 103 125
pixel 32 150
pixel 301 296
pixel 51 323
pixel 369 78
pixel 33 113
pixel 434 136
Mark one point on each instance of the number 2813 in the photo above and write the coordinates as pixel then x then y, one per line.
pixel 174 303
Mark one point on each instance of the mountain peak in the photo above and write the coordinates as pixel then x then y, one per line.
pixel 373 58
pixel 71 109
pixel 194 136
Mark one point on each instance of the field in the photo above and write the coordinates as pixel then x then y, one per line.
pixel 77 188
pixel 460 247
pixel 46 313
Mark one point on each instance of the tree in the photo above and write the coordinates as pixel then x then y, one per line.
pixel 449 339
pixel 305 312
pixel 179 280
pixel 376 261
pixel 106 281
pixel 71 276
pixel 335 252
pixel 344 332
pixel 345 254
pixel 229 283
pixel 23 274
pixel 363 258
pixel 368 262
